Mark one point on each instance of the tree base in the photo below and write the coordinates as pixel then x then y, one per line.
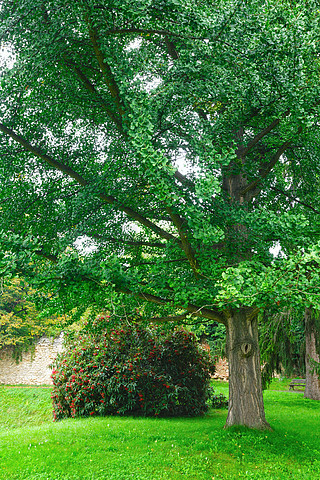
pixel 263 425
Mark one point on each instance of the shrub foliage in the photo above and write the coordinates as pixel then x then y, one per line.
pixel 219 401
pixel 131 370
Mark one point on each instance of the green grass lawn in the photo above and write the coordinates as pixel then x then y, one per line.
pixel 113 448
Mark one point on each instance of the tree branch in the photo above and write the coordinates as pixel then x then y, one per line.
pixel 265 170
pixel 286 194
pixel 90 87
pixel 82 181
pixel 183 179
pixel 48 256
pixel 187 248
pixel 259 136
pixel 171 48
pixel 193 309
pixel 262 134
pixel 203 312
pixel 105 69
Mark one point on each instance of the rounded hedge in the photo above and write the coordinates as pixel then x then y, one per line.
pixel 132 370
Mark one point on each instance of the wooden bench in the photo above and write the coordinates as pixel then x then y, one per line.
pixel 297 382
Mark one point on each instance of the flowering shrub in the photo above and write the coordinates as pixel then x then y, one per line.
pixel 131 370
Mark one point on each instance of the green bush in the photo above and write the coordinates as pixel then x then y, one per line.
pixel 219 401
pixel 132 370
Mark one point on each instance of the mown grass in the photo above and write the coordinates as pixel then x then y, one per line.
pixel 113 448
pixel 24 406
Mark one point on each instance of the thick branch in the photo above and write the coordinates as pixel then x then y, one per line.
pixel 183 179
pixel 106 70
pixel 86 82
pixel 259 136
pixel 171 48
pixel 37 152
pixel 262 134
pixel 193 309
pixel 82 181
pixel 48 256
pixel 265 170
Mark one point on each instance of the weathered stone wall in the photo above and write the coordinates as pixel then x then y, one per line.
pixel 221 365
pixel 222 370
pixel 34 368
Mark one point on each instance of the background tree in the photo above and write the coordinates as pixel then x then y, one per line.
pixel 312 357
pixel 104 101
pixel 20 321
pixel 289 345
pixel 282 343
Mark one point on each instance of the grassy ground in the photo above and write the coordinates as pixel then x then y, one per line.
pixel 112 448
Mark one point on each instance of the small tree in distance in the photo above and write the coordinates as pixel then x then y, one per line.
pixel 20 321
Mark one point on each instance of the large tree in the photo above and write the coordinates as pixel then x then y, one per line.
pixel 101 106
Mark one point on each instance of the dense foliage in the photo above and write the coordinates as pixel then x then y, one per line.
pixel 132 370
pixel 20 320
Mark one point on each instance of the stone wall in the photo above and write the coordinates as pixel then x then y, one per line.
pixel 222 370
pixel 34 368
pixel 221 365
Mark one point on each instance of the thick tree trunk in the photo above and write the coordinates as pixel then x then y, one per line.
pixel 245 389
pixel 312 378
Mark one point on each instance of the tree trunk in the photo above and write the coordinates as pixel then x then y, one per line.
pixel 245 388
pixel 312 378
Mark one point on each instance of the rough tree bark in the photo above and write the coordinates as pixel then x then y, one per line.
pixel 312 389
pixel 245 388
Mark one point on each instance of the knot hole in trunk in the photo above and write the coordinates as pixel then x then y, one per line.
pixel 246 349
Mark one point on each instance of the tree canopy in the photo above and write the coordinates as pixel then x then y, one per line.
pixel 180 140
